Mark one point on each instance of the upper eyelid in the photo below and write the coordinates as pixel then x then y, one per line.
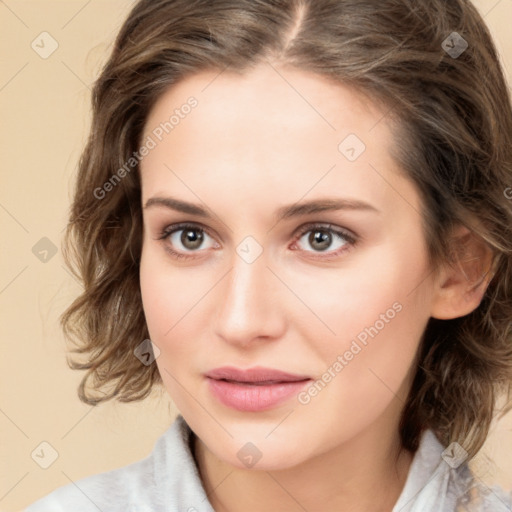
pixel 328 226
pixel 297 234
pixel 179 226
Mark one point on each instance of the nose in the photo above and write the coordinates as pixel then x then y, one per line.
pixel 251 307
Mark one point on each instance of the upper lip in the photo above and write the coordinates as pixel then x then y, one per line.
pixel 256 374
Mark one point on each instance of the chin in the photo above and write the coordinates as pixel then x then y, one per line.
pixel 253 449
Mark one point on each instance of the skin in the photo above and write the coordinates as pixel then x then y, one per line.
pixel 254 143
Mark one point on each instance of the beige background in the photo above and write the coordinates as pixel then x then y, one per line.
pixel 45 116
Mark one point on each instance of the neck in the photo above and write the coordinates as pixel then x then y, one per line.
pixel 364 474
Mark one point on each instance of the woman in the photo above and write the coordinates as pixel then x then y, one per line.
pixel 293 215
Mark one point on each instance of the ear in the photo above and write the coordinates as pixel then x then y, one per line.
pixel 460 283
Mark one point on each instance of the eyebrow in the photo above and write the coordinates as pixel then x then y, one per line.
pixel 282 213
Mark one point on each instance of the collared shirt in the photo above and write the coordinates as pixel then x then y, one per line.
pixel 168 481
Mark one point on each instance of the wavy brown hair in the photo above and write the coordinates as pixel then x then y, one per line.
pixel 452 126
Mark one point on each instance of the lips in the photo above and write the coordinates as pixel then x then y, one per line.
pixel 253 375
pixel 254 389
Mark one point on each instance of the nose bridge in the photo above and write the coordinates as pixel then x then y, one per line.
pixel 248 305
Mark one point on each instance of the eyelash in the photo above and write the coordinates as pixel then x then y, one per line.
pixel 350 238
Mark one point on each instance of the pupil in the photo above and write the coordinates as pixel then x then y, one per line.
pixel 322 238
pixel 191 239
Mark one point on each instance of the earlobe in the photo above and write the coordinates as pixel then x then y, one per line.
pixel 461 282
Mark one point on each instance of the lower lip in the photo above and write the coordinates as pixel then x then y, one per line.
pixel 253 398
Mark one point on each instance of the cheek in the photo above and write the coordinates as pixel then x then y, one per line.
pixel 167 300
pixel 163 297
pixel 368 372
pixel 154 295
pixel 174 300
pixel 375 295
pixel 378 313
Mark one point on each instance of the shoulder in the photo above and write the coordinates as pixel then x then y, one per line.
pixel 96 492
pixel 440 479
pixel 151 484
pixel 470 494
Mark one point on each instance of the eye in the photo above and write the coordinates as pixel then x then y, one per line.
pixel 185 238
pixel 325 238
pixel 190 238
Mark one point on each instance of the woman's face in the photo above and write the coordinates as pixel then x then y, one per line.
pixel 303 253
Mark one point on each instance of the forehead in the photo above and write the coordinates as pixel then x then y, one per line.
pixel 280 130
pixel 267 95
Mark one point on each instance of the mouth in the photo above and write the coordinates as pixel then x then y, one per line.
pixel 254 389
pixel 262 383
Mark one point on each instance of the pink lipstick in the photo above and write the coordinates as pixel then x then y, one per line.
pixel 254 389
